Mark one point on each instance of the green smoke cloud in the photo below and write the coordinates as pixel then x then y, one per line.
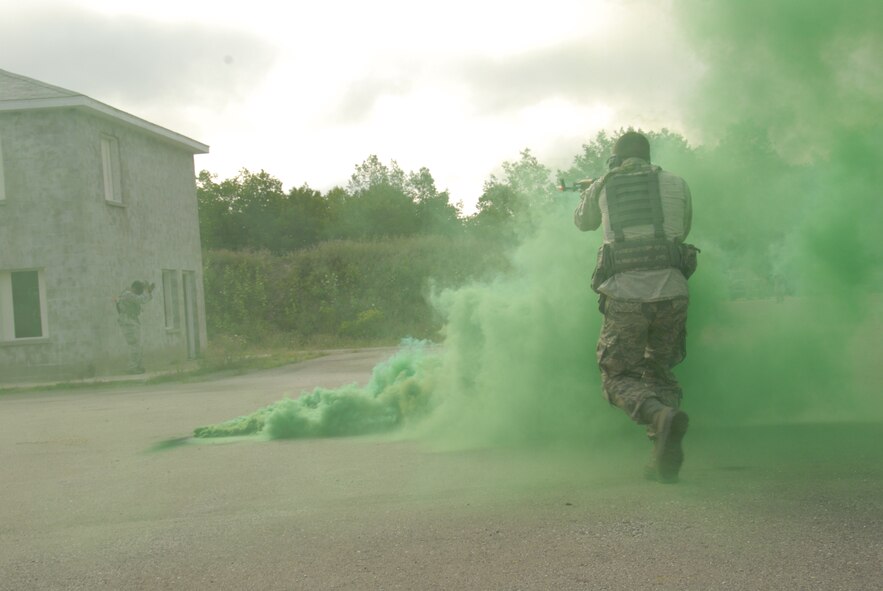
pixel 786 188
pixel 792 103
pixel 399 390
pixel 517 364
pixel 519 352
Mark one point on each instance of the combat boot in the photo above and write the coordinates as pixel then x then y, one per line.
pixel 649 409
pixel 651 472
pixel 670 425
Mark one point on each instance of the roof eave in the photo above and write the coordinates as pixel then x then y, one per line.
pixel 82 101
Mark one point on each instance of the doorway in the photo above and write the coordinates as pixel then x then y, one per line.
pixel 191 315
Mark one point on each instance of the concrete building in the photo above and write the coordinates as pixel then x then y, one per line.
pixel 91 199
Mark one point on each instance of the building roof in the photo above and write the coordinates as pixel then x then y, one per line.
pixel 20 93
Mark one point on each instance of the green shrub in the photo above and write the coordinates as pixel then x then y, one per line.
pixel 366 290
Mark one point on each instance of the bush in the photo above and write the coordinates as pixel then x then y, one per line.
pixel 367 290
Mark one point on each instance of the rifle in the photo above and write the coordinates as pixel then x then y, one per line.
pixel 580 185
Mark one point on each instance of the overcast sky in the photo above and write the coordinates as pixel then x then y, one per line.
pixel 309 90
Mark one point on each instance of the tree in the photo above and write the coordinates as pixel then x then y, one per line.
pixel 526 183
pixel 592 161
pixel 529 178
pixel 259 200
pixel 383 201
pixel 434 210
pixel 497 208
pixel 373 173
pixel 305 219
pixel 212 210
pixel 251 211
pixel 379 211
pixel 374 203
pixel 217 220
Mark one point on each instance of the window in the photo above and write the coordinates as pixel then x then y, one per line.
pixel 2 178
pixel 110 168
pixel 170 298
pixel 22 305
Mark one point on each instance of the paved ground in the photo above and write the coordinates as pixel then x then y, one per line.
pixel 83 505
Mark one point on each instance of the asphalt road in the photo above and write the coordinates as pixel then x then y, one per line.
pixel 84 505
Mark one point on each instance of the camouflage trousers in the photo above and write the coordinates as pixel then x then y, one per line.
pixel 639 345
pixel 132 334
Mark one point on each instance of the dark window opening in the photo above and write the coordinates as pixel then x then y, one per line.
pixel 26 304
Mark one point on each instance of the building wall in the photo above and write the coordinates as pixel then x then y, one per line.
pixel 55 218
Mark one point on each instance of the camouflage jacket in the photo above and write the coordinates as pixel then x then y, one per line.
pixel 129 304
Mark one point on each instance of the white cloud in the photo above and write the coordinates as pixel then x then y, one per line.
pixel 308 91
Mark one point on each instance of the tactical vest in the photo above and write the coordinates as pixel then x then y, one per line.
pixel 633 200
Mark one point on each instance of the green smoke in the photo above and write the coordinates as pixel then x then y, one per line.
pixel 399 390
pixel 790 193
pixel 517 363
pixel 786 308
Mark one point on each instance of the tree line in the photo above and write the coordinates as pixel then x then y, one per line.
pixel 356 259
pixel 252 211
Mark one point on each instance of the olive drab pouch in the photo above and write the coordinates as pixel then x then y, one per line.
pixel 689 259
pixel 643 255
pixel 603 268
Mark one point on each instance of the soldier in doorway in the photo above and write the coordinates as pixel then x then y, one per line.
pixel 128 306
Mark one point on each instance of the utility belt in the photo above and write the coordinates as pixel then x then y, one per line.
pixel 643 255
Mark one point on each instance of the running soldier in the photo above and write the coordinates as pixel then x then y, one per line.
pixel 641 278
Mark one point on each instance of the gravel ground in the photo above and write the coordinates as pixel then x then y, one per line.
pixel 84 505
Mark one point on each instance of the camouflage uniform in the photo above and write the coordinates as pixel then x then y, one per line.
pixel 645 310
pixel 639 345
pixel 129 311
